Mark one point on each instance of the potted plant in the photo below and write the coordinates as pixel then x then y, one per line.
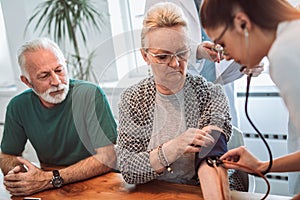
pixel 68 21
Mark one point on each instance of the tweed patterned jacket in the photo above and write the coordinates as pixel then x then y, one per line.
pixel 205 104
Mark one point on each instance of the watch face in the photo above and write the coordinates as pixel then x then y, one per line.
pixel 57 181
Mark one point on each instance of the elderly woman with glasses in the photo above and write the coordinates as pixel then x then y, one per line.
pixel 168 118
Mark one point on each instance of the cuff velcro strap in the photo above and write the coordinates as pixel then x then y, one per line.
pixel 217 149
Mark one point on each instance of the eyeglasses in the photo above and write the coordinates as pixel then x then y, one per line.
pixel 166 58
pixel 216 41
pixel 218 48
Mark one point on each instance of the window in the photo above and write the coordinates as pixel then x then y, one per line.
pixel 6 71
pixel 126 17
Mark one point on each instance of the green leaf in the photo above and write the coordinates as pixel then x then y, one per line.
pixel 63 19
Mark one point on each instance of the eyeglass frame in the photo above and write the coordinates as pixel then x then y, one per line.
pixel 217 47
pixel 222 34
pixel 188 50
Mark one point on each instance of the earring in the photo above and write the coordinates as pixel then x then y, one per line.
pixel 246 36
pixel 246 32
pixel 247 45
pixel 149 71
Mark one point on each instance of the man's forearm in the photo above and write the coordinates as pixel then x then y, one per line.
pixel 84 169
pixel 8 162
pixel 98 164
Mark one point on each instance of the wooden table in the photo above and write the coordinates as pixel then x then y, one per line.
pixel 112 186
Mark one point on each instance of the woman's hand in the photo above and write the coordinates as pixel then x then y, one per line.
pixel 193 139
pixel 207 50
pixel 189 141
pixel 242 156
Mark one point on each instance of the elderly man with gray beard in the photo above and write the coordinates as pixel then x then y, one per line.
pixel 68 122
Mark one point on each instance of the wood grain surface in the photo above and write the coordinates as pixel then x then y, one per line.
pixel 111 186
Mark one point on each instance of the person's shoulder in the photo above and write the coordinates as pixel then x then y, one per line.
pixel 22 100
pixel 287 41
pixel 22 97
pixel 200 84
pixel 82 83
pixel 285 49
pixel 83 86
pixel 144 86
pixel 196 80
pixel 288 27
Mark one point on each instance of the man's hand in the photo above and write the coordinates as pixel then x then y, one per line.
pixel 20 183
pixel 17 169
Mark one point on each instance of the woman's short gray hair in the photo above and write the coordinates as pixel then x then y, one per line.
pixel 162 15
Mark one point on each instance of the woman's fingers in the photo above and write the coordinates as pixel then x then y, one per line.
pixel 202 138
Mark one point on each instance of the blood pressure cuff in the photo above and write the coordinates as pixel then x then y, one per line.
pixel 217 149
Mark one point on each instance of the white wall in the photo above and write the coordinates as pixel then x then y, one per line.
pixel 294 2
pixel 6 72
pixel 17 12
pixel 15 16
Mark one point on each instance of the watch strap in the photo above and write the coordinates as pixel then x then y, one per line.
pixel 55 173
pixel 57 181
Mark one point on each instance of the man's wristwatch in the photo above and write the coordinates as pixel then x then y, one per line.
pixel 57 181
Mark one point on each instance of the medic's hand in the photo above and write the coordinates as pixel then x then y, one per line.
pixel 208 51
pixel 242 156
